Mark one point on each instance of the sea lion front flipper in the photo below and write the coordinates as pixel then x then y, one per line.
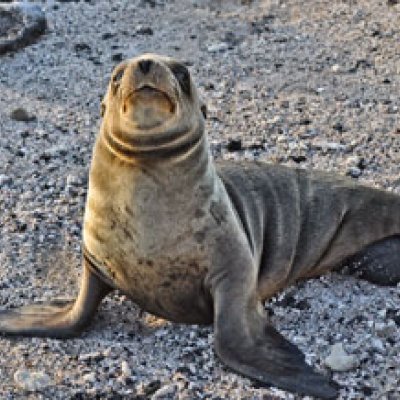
pixel 269 358
pixel 243 337
pixel 59 319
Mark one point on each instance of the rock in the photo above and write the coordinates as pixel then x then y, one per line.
pixel 167 391
pixel 339 360
pixel 217 47
pixel 125 369
pixel 20 114
pixel 354 172
pixel 95 356
pixel 90 378
pixel 338 127
pixel 275 119
pixel 329 146
pixel 21 23
pixel 4 180
pixel 298 158
pixel 117 57
pixel 144 30
pixel 150 388
pixel 385 329
pixel 234 145
pixel 378 345
pixel 31 381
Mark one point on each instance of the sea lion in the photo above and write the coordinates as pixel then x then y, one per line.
pixel 195 241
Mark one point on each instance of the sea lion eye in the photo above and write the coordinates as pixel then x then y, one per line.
pixel 118 76
pixel 182 75
pixel 116 79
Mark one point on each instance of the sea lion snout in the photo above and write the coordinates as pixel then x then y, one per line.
pixel 149 95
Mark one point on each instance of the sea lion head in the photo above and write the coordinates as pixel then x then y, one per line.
pixel 151 104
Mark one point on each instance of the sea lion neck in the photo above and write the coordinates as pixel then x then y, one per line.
pixel 180 144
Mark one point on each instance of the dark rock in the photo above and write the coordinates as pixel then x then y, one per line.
pixel 305 121
pixel 152 387
pixel 20 25
pixel 117 57
pixel 107 35
pixel 144 30
pixel 362 163
pixel 234 145
pixel 82 47
pixel 298 158
pixel 394 315
pixel 338 127
pixel 367 390
pixel 20 114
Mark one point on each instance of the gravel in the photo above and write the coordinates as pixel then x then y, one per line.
pixel 309 84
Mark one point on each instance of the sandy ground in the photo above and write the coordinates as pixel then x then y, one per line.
pixel 314 84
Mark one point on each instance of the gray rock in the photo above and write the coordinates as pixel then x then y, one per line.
pixel 125 369
pixel 4 180
pixel 339 360
pixel 31 381
pixel 385 329
pixel 329 146
pixel 354 172
pixel 165 392
pixel 217 47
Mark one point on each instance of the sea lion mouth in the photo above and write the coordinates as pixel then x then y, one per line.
pixel 148 106
pixel 150 90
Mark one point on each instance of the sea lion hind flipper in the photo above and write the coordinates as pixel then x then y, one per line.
pixel 57 318
pixel 273 361
pixel 378 263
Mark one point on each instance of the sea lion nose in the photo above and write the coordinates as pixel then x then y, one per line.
pixel 145 65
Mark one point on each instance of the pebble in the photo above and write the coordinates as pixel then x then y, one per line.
pixel 31 381
pixel 385 329
pixel 125 369
pixel 234 145
pixel 378 345
pixel 339 360
pixel 329 146
pixel 354 172
pixel 4 180
pixel 166 391
pixel 90 377
pixel 217 47
pixel 21 114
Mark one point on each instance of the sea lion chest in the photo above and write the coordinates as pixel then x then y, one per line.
pixel 147 237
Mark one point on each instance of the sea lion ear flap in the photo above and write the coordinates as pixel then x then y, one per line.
pixel 102 108
pixel 203 109
pixel 103 103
